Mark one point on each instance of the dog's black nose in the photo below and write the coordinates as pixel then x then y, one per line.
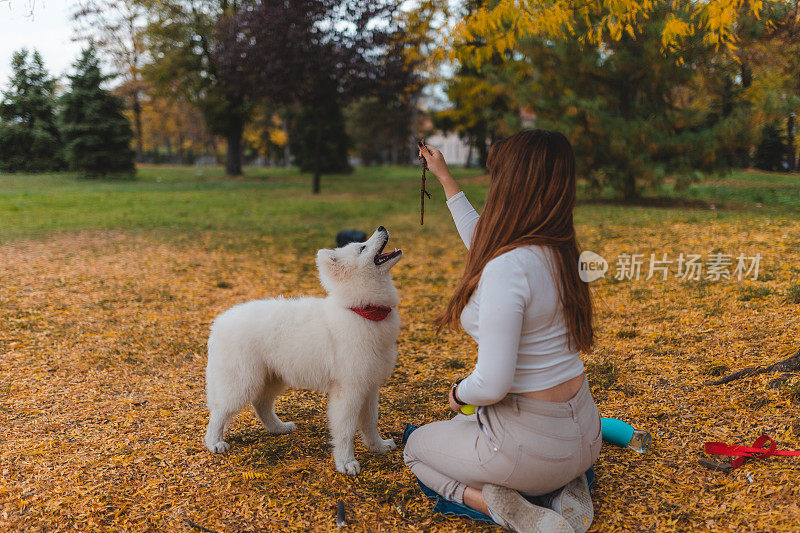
pixel 381 228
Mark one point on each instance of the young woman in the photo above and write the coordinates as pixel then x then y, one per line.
pixel 537 428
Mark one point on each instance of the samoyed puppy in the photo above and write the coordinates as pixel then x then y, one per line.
pixel 343 345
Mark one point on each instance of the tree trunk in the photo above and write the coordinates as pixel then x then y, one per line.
pixel 181 153
pixel 316 182
pixel 790 142
pixel 747 75
pixel 629 187
pixel 317 147
pixel 483 150
pixel 414 132
pixel 179 128
pixel 137 122
pixel 233 156
pixel 287 152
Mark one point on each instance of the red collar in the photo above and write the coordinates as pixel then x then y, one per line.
pixel 375 313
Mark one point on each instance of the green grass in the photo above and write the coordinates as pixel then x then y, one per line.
pixel 187 199
pixel 753 293
pixel 736 189
pixel 793 294
pixel 747 187
pixel 278 201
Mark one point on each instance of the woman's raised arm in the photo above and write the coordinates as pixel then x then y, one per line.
pixel 464 215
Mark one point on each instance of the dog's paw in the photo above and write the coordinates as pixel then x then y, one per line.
pixel 349 467
pixel 383 446
pixel 219 447
pixel 283 429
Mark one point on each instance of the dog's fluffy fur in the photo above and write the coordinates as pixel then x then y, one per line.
pixel 258 348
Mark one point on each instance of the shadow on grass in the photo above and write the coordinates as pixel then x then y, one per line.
pixel 658 201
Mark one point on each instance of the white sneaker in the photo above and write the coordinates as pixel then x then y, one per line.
pixel 574 503
pixel 509 509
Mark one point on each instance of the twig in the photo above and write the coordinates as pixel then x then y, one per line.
pixel 422 192
pixel 198 526
pixel 790 364
pixel 715 465
pixel 341 517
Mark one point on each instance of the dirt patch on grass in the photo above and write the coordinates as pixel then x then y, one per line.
pixel 102 357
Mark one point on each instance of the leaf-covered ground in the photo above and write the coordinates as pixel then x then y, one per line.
pixel 102 359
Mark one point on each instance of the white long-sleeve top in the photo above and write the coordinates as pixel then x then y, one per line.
pixel 515 316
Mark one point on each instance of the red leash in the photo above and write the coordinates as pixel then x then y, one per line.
pixel 757 450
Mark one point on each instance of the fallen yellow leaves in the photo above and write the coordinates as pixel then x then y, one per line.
pixel 102 360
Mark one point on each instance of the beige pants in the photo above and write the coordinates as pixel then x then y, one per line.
pixel 532 446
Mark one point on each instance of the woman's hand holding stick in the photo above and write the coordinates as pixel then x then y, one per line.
pixel 433 160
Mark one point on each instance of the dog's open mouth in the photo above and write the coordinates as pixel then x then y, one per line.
pixel 381 258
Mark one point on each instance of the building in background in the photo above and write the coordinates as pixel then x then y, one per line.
pixel 455 151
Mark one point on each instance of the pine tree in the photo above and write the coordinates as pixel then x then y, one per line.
pixel 97 136
pixel 379 129
pixel 319 140
pixel 635 114
pixel 29 138
pixel 771 150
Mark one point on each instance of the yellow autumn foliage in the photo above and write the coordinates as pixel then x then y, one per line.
pixel 498 29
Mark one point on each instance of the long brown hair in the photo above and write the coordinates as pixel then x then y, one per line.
pixel 530 201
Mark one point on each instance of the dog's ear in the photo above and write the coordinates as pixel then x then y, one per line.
pixel 328 262
pixel 326 256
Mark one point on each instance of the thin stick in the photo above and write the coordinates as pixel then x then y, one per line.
pixel 422 192
pixel 197 526
pixel 790 364
pixel 341 517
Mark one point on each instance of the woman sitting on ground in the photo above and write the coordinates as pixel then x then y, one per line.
pixel 537 428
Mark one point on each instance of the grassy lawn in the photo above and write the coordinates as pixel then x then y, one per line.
pixel 270 202
pixel 278 202
pixel 108 289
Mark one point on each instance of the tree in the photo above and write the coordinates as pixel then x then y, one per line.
pixel 116 28
pixel 639 101
pixel 185 39
pixel 499 26
pixel 770 60
pixel 29 137
pixel 318 54
pixel 484 105
pixel 379 130
pixel 266 135
pixel 383 123
pixel 483 108
pixel 418 43
pixel 319 141
pixel 771 151
pixel 97 136
pixel 174 130
pixel 636 114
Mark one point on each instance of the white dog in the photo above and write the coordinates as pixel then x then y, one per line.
pixel 344 345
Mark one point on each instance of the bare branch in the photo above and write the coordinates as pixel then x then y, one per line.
pixel 790 364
